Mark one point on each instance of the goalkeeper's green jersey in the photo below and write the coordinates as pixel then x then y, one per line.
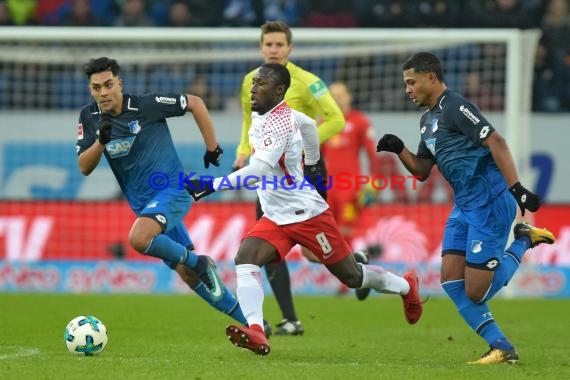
pixel 307 94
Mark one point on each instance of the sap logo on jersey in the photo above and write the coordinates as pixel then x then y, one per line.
pixel 120 147
pixel 165 100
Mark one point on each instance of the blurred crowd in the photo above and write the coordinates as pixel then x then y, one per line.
pixel 552 61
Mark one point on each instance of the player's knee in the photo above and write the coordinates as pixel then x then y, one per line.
pixel 139 242
pixel 352 280
pixel 475 293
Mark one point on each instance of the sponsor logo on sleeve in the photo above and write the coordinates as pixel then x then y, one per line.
pixel 267 143
pixel 80 131
pixel 183 103
pixel 165 100
pixel 484 132
pixel 464 110
pixel 318 89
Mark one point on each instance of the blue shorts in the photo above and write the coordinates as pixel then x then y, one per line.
pixel 168 208
pixel 482 234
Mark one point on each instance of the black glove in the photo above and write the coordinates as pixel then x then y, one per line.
pixel 213 157
pixel 105 128
pixel 390 143
pixel 199 188
pixel 314 175
pixel 525 198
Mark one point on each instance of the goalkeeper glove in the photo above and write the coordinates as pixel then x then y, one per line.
pixel 199 188
pixel 525 198
pixel 213 157
pixel 315 176
pixel 390 143
pixel 105 128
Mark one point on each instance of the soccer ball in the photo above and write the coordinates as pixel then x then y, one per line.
pixel 85 336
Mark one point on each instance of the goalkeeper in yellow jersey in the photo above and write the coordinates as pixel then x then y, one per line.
pixel 310 95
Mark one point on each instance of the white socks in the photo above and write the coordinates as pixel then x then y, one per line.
pixel 250 293
pixel 382 281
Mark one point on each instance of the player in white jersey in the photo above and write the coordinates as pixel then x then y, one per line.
pixel 294 212
pixel 277 141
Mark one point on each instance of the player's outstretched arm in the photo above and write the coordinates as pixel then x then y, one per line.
pixel 199 188
pixel 202 117
pixel 417 166
pixel 249 175
pixel 504 161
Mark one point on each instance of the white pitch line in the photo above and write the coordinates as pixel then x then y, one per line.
pixel 19 352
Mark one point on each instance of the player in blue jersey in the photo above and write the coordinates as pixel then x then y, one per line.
pixel 475 159
pixel 131 131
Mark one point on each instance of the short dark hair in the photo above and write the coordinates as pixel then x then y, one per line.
pixel 98 65
pixel 282 75
pixel 425 62
pixel 277 27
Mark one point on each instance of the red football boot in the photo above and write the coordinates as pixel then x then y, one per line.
pixel 413 306
pixel 253 338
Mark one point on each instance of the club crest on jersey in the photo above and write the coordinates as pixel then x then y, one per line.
pixel 134 127
pixel 430 143
pixel 434 126
pixel 268 143
pixel 476 246
pixel 80 131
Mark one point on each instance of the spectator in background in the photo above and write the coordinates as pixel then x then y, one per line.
pixel 556 27
pixel 134 13
pixel 79 14
pixel 387 14
pixel 5 17
pixel 48 12
pixel 482 93
pixel 331 14
pixel 288 11
pixel 551 92
pixel 179 15
pixel 499 14
pixel 198 13
pixel 201 88
pixel 22 11
pixel 438 13
pixel 243 13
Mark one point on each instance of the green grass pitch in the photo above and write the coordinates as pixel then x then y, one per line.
pixel 181 337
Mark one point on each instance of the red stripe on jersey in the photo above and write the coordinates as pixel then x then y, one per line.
pixel 285 170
